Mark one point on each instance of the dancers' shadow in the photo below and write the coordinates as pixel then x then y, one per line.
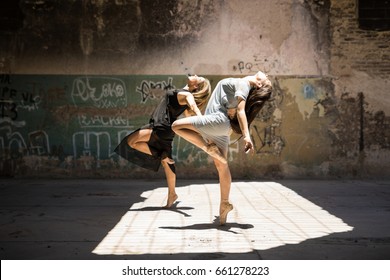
pixel 173 208
pixel 228 227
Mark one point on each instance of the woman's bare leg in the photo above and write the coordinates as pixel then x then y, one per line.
pixel 186 130
pixel 225 182
pixel 225 179
pixel 189 132
pixel 170 174
pixel 139 140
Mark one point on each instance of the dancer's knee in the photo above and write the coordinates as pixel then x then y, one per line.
pixel 131 142
pixel 221 166
pixel 182 124
pixel 176 126
pixel 170 166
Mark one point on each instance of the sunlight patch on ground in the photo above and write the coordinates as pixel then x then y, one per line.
pixel 265 215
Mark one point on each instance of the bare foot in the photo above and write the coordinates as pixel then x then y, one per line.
pixel 214 152
pixel 171 199
pixel 168 160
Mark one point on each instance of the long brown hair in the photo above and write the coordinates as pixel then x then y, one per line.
pixel 255 101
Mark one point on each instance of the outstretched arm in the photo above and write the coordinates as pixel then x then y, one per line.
pixel 187 98
pixel 242 120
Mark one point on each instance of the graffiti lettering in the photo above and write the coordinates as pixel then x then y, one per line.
pixel 5 79
pixel 91 139
pixel 8 93
pixel 259 63
pixel 17 99
pixel 151 90
pixel 101 121
pixel 243 66
pixel 270 143
pixel 39 143
pixel 109 90
pixel 35 102
pixel 27 97
pixel 8 109
pixel 99 92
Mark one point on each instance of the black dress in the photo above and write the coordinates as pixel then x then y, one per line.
pixel 160 142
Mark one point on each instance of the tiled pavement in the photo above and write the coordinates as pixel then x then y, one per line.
pixel 123 219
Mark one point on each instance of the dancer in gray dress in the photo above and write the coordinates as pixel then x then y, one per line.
pixel 233 105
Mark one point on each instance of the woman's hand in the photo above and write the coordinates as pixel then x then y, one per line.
pixel 248 145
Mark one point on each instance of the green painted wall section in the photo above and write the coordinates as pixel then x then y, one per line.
pixel 69 125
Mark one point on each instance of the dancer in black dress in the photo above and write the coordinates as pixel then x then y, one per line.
pixel 151 145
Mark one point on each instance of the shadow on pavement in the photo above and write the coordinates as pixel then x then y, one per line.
pixel 67 219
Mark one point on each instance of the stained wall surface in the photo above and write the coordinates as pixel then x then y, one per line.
pixel 77 76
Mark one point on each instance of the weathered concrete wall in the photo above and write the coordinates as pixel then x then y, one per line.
pixel 360 59
pixel 62 125
pixel 360 65
pixel 216 37
pixel 329 117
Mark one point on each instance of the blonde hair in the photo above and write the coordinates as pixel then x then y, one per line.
pixel 202 93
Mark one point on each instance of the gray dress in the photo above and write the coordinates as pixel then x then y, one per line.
pixel 214 125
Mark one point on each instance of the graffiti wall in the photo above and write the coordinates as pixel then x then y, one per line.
pixel 68 126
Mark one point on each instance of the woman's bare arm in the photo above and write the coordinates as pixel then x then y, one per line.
pixel 242 120
pixel 185 97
